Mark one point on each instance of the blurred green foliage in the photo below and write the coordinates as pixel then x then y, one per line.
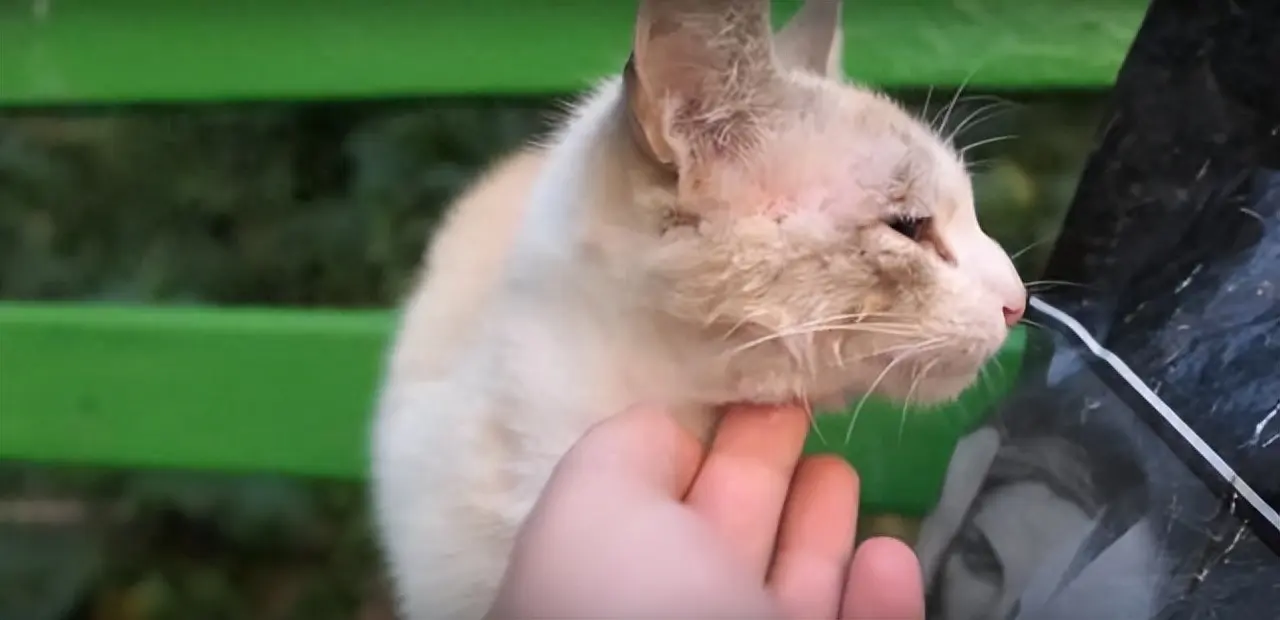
pixel 329 203
pixel 305 204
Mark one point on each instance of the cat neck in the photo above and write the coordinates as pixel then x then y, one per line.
pixel 585 198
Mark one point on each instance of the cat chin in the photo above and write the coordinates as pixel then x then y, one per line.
pixel 938 391
pixel 942 390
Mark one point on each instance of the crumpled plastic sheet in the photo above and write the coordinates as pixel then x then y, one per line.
pixel 1080 499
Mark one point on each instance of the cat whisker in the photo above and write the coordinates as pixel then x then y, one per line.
pixel 813 420
pixel 1042 283
pixel 984 378
pixel 923 116
pixel 976 166
pixel 857 410
pixel 906 402
pixel 972 120
pixel 869 328
pixel 858 317
pixel 811 364
pixel 836 357
pixel 1031 245
pixel 1034 324
pixel 980 143
pixel 741 323
pixel 950 106
pixel 910 325
pixel 995 361
pixel 931 342
pixel 927 98
pixel 963 84
pixel 955 99
pixel 801 331
pixel 986 97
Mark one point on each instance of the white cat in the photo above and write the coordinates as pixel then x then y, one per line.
pixel 727 221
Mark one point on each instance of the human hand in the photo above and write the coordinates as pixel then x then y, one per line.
pixel 640 521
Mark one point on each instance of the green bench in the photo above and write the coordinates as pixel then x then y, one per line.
pixel 289 391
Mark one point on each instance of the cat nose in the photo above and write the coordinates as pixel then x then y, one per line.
pixel 1014 314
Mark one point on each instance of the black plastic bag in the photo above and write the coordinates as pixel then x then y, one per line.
pixel 1175 231
pixel 1135 471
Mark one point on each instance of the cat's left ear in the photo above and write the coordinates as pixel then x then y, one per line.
pixel 702 78
pixel 813 40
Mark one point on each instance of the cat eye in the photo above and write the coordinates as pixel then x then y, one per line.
pixel 909 226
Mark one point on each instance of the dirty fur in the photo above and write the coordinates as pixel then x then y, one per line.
pixel 726 221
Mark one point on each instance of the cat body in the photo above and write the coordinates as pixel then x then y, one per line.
pixel 725 222
pixel 516 382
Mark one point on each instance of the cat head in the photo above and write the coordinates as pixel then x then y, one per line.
pixel 823 235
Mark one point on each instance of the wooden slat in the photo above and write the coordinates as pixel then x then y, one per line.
pixel 106 51
pixel 292 391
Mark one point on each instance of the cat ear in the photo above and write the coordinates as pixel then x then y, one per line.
pixel 700 77
pixel 813 39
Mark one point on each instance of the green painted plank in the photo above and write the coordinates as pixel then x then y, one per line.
pixel 77 51
pixel 291 391
pixel 189 388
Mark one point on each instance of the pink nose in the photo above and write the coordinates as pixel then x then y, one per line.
pixel 1014 314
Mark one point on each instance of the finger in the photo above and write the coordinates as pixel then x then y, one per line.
pixel 743 482
pixel 885 583
pixel 619 485
pixel 642 449
pixel 815 539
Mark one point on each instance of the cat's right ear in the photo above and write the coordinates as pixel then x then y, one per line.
pixel 813 40
pixel 700 77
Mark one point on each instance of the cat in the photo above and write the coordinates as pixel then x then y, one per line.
pixel 726 221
